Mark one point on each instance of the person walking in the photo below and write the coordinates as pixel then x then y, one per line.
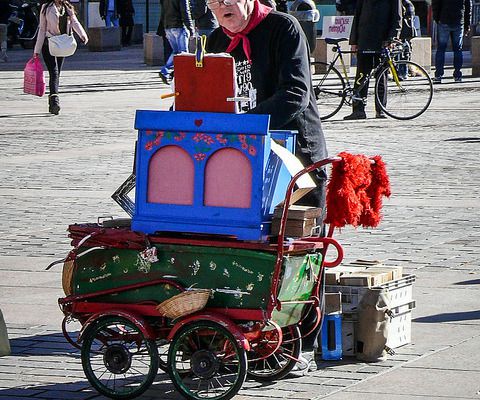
pixel 407 33
pixel 205 21
pixel 453 19
pixel 109 12
pixel 57 17
pixel 126 13
pixel 178 24
pixel 375 24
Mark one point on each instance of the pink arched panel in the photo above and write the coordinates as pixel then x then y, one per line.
pixel 171 177
pixel 228 179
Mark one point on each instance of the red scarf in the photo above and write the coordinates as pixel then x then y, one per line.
pixel 258 15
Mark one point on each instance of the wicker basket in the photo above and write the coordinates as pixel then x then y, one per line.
pixel 185 303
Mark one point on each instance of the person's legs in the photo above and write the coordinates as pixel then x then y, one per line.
pixel 443 34
pixel 360 86
pixel 456 34
pixel 128 35
pixel 178 39
pixel 54 67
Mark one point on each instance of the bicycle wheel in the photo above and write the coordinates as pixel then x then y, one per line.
pixel 329 89
pixel 408 94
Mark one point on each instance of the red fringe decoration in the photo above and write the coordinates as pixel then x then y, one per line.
pixel 355 191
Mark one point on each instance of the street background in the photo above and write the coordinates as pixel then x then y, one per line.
pixel 59 170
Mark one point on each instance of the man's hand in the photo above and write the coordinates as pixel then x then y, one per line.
pixel 466 31
pixel 35 55
pixel 354 47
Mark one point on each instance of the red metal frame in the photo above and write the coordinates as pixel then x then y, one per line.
pixel 147 331
pixel 215 317
pixel 325 241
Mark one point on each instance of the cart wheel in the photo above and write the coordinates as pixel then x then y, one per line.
pixel 216 363
pixel 279 364
pixel 117 359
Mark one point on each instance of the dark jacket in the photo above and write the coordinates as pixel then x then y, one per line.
pixel 452 12
pixel 374 22
pixel 103 8
pixel 204 18
pixel 126 12
pixel 279 80
pixel 408 29
pixel 177 14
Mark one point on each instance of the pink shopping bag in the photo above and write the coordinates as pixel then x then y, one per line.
pixel 33 80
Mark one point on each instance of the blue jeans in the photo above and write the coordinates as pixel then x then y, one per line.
pixel 110 19
pixel 455 33
pixel 178 39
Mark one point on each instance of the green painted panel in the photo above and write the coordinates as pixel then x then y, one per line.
pixel 299 274
pixel 241 278
pixel 245 273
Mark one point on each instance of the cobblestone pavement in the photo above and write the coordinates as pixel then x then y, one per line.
pixel 60 170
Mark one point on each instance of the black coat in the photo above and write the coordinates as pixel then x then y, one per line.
pixel 204 18
pixel 374 22
pixel 278 80
pixel 452 12
pixel 103 8
pixel 126 12
pixel 177 14
pixel 408 29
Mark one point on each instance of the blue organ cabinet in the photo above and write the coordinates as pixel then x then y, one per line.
pixel 211 173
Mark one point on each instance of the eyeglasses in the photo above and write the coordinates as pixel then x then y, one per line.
pixel 213 5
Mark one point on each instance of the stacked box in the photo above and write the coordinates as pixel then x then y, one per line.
pixel 399 292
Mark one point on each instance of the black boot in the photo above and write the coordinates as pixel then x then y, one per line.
pixel 54 104
pixel 358 111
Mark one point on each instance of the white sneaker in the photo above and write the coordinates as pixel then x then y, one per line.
pixel 303 365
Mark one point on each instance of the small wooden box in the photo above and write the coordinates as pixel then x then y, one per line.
pixel 300 220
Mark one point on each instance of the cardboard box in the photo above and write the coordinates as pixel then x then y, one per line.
pixel 298 212
pixel 332 275
pixel 365 278
pixel 300 220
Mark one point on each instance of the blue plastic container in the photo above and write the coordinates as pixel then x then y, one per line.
pixel 331 337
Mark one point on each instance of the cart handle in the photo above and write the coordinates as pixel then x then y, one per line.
pixel 283 219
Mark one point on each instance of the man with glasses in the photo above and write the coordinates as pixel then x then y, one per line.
pixel 273 71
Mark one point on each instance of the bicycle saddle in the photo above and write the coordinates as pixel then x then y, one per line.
pixel 335 41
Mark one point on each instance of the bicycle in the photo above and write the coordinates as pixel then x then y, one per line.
pixel 408 96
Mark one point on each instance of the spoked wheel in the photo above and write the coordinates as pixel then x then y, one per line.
pixel 329 89
pixel 409 90
pixel 117 359
pixel 280 363
pixel 216 363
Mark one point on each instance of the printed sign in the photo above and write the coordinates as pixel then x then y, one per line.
pixel 337 27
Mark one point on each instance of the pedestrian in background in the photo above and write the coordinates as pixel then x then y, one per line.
pixel 205 21
pixel 345 7
pixel 167 49
pixel 407 33
pixel 178 23
pixel 57 17
pixel 375 24
pixel 453 18
pixel 109 12
pixel 126 13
